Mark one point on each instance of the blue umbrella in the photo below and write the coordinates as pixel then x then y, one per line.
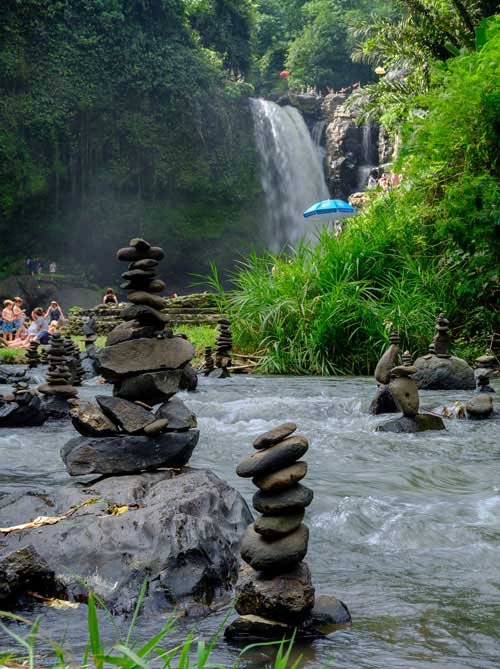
pixel 337 208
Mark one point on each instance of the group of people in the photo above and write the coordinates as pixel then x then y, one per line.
pixel 380 179
pixel 18 330
pixel 36 266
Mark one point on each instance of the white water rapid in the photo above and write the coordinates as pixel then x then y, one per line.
pixel 291 172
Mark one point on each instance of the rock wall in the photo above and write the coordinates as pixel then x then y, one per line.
pixel 39 291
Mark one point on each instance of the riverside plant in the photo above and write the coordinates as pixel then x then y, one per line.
pixel 156 653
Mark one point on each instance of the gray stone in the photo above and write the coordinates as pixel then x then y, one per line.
pixel 62 390
pixel 435 373
pixel 128 454
pixel 189 379
pixel 288 597
pixel 275 556
pixel 273 458
pixel 284 501
pixel 89 420
pixel 129 330
pixel 23 570
pixel 25 412
pixel 386 363
pixel 273 527
pixel 152 387
pixel 141 297
pixel 56 408
pixel 408 424
pixel 143 355
pixel 383 402
pixel 405 394
pixel 480 407
pixel 328 613
pixel 282 479
pixel 131 417
pixel 131 254
pixel 274 436
pixel 179 416
pixel 156 427
pixel 146 315
pixel 181 533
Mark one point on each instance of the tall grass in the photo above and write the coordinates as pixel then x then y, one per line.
pixel 126 653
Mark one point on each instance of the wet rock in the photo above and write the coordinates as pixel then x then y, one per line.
pixel 129 330
pixel 282 479
pixel 156 427
pixel 288 597
pixel 284 501
pixel 180 532
pixel 405 394
pixel 131 417
pixel 479 407
pixel 408 424
pixel 274 556
pixel 435 373
pixel 145 315
pixel 388 360
pixel 89 420
pixel 28 413
pixel 56 408
pixel 383 402
pixel 64 391
pixel 23 570
pixel 273 458
pixel 273 527
pixel 131 254
pixel 179 416
pixel 127 454
pixel 328 613
pixel 141 297
pixel 154 386
pixel 189 379
pixel 274 436
pixel 142 355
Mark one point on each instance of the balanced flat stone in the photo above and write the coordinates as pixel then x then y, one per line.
pixel 130 330
pixel 127 454
pixel 142 355
pixel 139 275
pixel 129 416
pixel 147 263
pixel 156 286
pixel 178 415
pixel 273 458
pixel 284 501
pixel 287 597
pixel 151 387
pixel 141 297
pixel 145 314
pixel 273 527
pixel 89 420
pixel 282 479
pixel 62 390
pixel 274 436
pixel 131 254
pixel 274 556
pixel 156 427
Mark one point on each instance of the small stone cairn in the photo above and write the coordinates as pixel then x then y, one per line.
pixel 482 406
pixel 58 377
pixel 439 370
pixel 146 364
pixel 485 367
pixel 404 391
pixel 383 401
pixel 33 355
pixel 22 408
pixel 223 346
pixel 78 371
pixel 209 363
pixel 275 593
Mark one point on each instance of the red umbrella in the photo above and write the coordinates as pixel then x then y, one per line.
pixel 284 74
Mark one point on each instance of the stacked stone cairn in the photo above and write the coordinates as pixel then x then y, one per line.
pixel 383 401
pixel 439 370
pixel 33 355
pixel 58 377
pixel 145 363
pixel 22 408
pixel 275 594
pixel 482 406
pixel 73 359
pixel 209 364
pixel 404 391
pixel 223 346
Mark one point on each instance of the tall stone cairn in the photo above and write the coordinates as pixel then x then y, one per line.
pixel 145 363
pixel 383 401
pixel 442 339
pixel 209 363
pixel 223 346
pixel 78 371
pixel 33 355
pixel 58 377
pixel 70 358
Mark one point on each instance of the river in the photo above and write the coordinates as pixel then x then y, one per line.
pixel 405 529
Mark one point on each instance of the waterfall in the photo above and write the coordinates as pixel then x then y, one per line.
pixel 368 146
pixel 291 172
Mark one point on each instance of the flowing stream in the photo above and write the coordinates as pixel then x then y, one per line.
pixel 292 174
pixel 404 528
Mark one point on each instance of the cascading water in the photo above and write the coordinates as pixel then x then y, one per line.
pixel 291 172
pixel 370 160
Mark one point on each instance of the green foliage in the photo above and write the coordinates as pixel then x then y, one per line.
pixel 431 245
pixel 12 356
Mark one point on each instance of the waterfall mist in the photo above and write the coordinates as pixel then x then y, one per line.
pixel 292 174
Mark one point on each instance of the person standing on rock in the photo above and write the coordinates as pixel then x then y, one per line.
pixel 8 320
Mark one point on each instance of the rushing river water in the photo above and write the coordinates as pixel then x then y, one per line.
pixel 404 528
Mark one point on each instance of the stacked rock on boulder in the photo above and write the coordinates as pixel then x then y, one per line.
pixel 404 391
pixel 146 364
pixel 275 593
pixel 439 370
pixel 383 402
pixel 223 346
pixel 22 408
pixel 33 355
pixel 482 405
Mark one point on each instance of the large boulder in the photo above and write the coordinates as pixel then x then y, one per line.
pixel 144 355
pixel 180 532
pixel 435 373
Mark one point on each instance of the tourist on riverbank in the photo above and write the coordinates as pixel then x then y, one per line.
pixel 8 320
pixel 52 267
pixel 19 314
pixel 110 297
pixel 55 313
